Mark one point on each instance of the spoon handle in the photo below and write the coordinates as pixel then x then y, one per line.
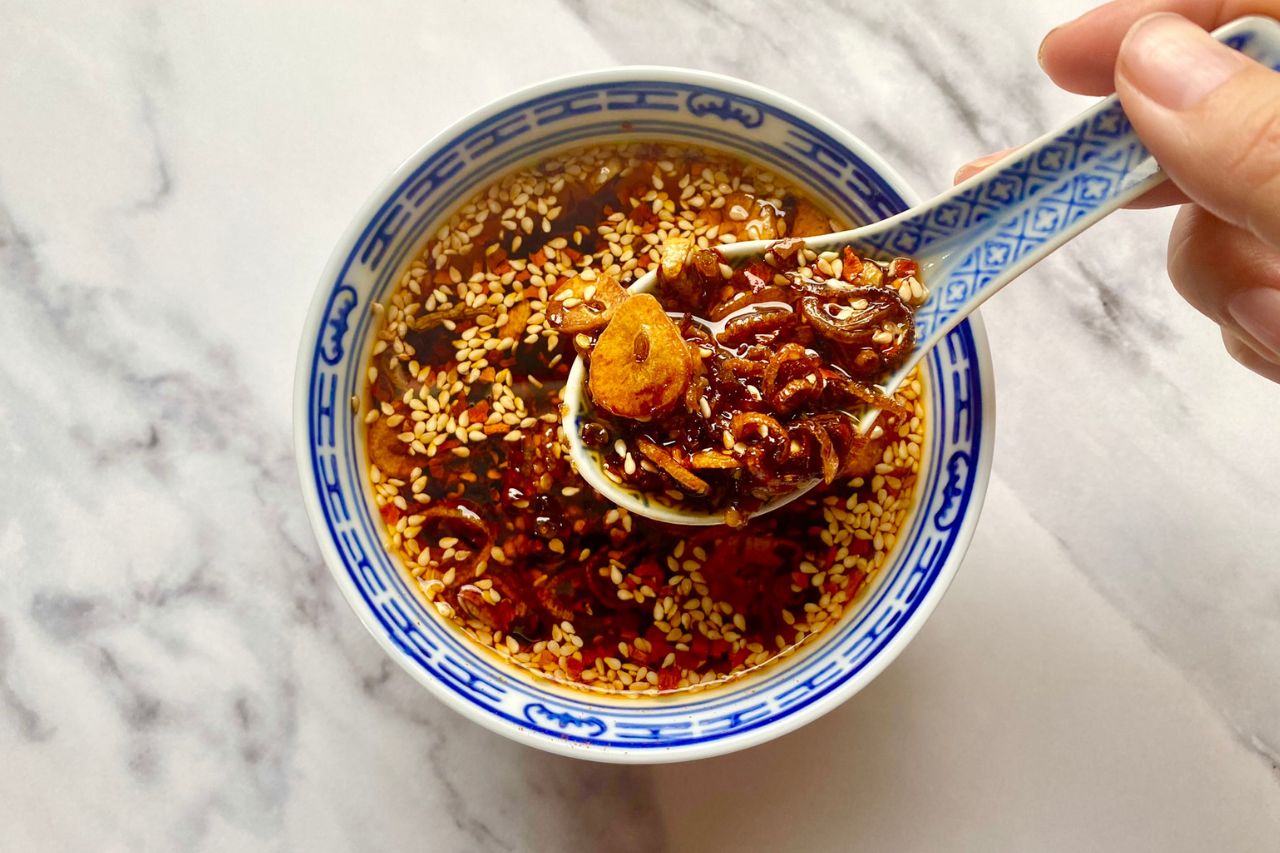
pixel 985 232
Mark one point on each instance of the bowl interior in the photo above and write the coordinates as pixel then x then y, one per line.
pixel 668 104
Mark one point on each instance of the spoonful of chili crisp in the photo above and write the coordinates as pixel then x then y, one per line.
pixel 721 390
pixel 732 379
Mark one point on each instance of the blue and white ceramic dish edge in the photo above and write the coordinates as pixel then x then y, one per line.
pixel 620 103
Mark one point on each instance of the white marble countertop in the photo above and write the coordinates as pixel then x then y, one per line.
pixel 177 671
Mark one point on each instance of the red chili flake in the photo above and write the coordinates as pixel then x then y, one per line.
pixel 902 267
pixel 649 574
pixel 574 667
pixel 391 513
pixel 852 265
pixel 642 215
pixel 723 571
pixel 658 642
pixel 756 276
pixel 497 616
pixel 668 678
pixel 688 660
pixel 736 659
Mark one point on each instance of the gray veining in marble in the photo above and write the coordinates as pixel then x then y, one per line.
pixel 1124 426
pixel 177 671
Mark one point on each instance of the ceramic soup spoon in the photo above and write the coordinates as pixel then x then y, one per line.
pixel 968 243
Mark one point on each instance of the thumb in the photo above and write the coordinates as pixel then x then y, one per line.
pixel 1211 117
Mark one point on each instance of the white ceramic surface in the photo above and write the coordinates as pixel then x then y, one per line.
pixel 177 671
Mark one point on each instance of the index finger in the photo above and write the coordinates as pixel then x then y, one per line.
pixel 1080 56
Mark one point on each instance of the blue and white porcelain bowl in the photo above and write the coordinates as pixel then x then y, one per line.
pixel 618 104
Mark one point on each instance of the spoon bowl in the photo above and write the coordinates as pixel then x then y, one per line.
pixel 968 243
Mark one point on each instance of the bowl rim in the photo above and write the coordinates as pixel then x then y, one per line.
pixel 351 234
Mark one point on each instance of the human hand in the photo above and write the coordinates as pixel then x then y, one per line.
pixel 1211 118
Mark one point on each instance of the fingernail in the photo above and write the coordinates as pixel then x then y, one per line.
pixel 1043 42
pixel 973 167
pixel 968 170
pixel 1257 311
pixel 1174 62
pixel 1236 347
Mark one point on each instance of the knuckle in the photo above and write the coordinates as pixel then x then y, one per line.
pixel 1186 262
pixel 1247 356
pixel 1257 150
pixel 1254 162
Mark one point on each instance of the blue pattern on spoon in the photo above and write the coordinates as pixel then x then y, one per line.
pixel 969 242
